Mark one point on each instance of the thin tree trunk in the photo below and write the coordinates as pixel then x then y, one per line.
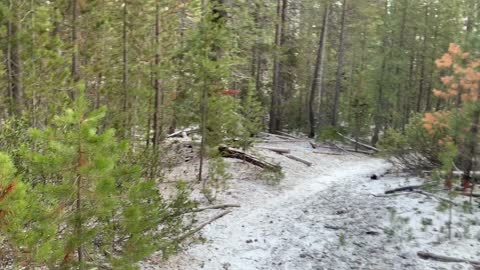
pixel 125 68
pixel 34 69
pixel 157 125
pixel 283 71
pixel 377 118
pixel 423 66
pixel 274 110
pixel 471 148
pixel 14 63
pixel 428 106
pixel 318 73
pixel 203 104
pixel 400 85
pixel 8 66
pixel 78 227
pixel 339 73
pixel 75 58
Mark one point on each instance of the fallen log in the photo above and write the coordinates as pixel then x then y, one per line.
pixel 306 162
pixel 234 153
pixel 333 227
pixel 340 148
pixel 279 141
pixel 327 153
pixel 406 188
pixel 277 135
pixel 214 207
pixel 353 150
pixel 276 150
pixel 284 134
pixel 358 143
pixel 359 151
pixel 180 133
pixel 442 258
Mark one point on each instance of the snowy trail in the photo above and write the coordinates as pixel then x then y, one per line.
pixel 273 225
pixel 322 217
pixel 252 237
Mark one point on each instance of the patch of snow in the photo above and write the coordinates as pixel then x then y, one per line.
pixel 325 217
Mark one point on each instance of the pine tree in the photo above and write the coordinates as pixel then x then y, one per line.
pixel 90 207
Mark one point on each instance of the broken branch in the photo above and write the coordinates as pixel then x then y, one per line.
pixel 406 188
pixel 276 150
pixel 441 258
pixel 358 143
pixel 306 162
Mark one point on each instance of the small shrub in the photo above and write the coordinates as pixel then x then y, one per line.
pixel 415 148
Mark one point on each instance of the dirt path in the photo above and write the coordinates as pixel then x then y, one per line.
pixel 322 217
pixel 281 229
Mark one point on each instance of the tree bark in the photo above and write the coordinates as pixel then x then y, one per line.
pixel 125 67
pixel 75 69
pixel 470 149
pixel 339 73
pixel 13 63
pixel 157 125
pixel 274 106
pixel 234 153
pixel 421 89
pixel 377 118
pixel 318 73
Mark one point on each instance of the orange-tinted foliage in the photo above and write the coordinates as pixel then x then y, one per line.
pixel 4 193
pixel 231 92
pixel 464 83
pixel 7 190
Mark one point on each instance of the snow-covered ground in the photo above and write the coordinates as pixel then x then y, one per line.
pixel 325 217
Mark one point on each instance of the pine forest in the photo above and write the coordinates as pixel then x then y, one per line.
pixel 240 134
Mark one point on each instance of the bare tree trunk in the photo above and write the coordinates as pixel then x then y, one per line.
pixel 400 85
pixel 377 118
pixel 421 89
pixel 75 72
pixel 274 107
pixel 428 106
pixel 14 63
pixel 470 148
pixel 125 68
pixel 318 73
pixel 283 69
pixel 8 67
pixel 157 125
pixel 339 73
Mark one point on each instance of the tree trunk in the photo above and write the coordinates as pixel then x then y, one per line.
pixel 339 74
pixel 471 147
pixel 421 89
pixel 379 110
pixel 75 72
pixel 318 73
pixel 428 106
pixel 125 68
pixel 157 125
pixel 14 63
pixel 274 107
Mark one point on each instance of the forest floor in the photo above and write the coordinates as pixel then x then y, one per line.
pixel 325 217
